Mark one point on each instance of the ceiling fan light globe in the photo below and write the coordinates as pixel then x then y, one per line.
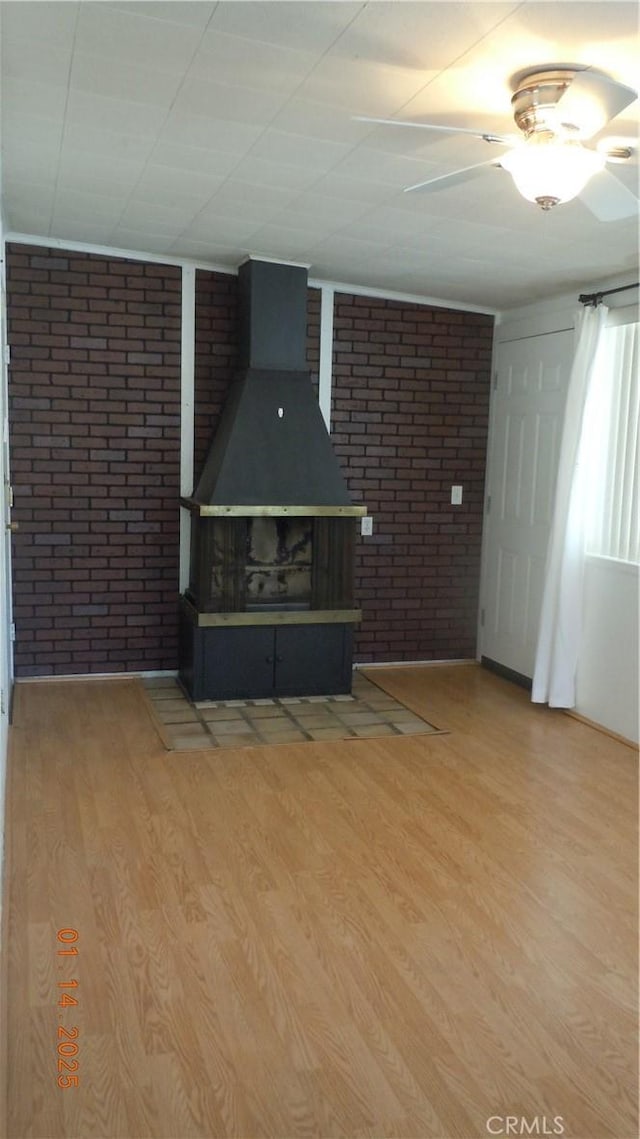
pixel 550 171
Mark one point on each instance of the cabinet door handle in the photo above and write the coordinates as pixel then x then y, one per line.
pixel 269 660
pixel 279 659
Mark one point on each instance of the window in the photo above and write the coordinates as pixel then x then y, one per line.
pixel 613 416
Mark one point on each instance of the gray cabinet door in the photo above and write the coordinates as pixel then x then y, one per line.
pixel 239 662
pixel 313 660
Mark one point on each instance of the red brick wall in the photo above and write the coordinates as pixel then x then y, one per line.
pixel 410 405
pixel 94 386
pixel 313 336
pixel 95 410
pixel 216 355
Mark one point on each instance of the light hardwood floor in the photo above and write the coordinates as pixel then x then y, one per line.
pixel 389 938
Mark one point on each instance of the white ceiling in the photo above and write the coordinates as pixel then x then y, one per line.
pixel 212 130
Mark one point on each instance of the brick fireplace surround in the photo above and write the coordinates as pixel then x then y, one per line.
pixel 94 386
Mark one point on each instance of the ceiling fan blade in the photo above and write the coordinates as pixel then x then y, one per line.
pixel 608 199
pixel 453 178
pixel 592 100
pixel 488 136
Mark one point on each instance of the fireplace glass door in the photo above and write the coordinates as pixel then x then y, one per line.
pixel 278 563
pixel 269 563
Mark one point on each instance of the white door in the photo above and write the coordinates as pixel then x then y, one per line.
pixel 527 407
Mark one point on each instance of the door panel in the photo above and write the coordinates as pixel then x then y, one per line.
pixel 239 662
pixel 316 657
pixel 545 463
pixel 527 408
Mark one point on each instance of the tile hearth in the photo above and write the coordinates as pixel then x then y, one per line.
pixel 367 712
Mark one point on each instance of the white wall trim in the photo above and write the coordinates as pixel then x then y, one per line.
pixel 325 373
pixel 232 271
pixel 158 674
pixel 187 399
pixel 502 316
pixel 69 677
pixel 439 663
pixel 407 298
pixel 115 251
pixel 556 313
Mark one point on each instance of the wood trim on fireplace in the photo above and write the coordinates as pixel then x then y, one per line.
pixel 272 617
pixel 207 511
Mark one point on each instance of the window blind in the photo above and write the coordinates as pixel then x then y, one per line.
pixel 614 529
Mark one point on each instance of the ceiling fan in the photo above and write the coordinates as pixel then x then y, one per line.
pixel 556 108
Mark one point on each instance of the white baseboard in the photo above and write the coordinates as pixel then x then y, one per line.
pixel 412 663
pixel 147 674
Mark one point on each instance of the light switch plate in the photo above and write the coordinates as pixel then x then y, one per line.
pixel 456 496
pixel 366 526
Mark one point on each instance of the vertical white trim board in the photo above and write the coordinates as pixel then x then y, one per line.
pixel 187 384
pixel 325 371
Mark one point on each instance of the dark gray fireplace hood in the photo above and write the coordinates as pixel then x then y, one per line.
pixel 272 452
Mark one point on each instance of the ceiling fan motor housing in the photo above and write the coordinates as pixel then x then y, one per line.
pixel 535 102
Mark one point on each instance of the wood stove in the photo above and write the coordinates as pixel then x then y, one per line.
pixel 269 610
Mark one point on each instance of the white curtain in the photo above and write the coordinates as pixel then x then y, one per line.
pixel 554 677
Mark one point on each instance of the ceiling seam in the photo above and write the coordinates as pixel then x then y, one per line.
pixel 64 118
pixel 114 228
pixel 266 126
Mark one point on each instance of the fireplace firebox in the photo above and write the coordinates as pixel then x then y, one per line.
pixel 275 563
